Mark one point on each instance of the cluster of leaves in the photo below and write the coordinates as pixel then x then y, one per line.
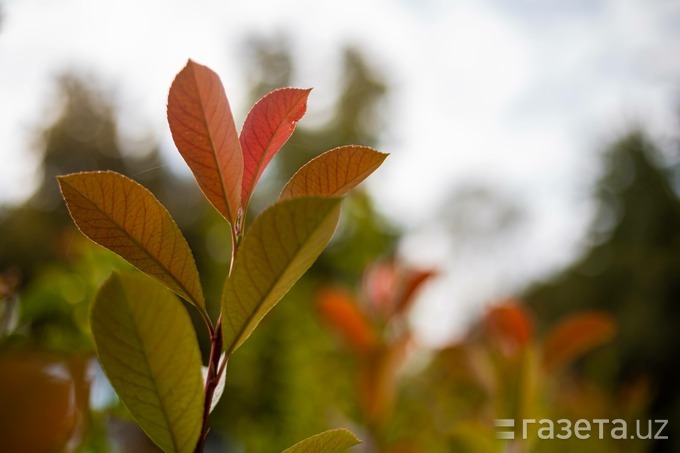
pixel 505 370
pixel 144 336
pixel 373 327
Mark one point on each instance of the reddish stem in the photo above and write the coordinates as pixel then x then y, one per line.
pixel 210 382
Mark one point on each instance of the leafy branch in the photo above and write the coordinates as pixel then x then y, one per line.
pixel 144 337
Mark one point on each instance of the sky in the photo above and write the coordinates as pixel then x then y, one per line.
pixel 516 96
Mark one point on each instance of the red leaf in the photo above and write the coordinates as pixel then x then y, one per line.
pixel 412 283
pixel 340 311
pixel 575 336
pixel 203 129
pixel 510 326
pixel 268 126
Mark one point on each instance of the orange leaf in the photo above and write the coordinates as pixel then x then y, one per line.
pixel 123 216
pixel 509 325
pixel 412 283
pixel 334 172
pixel 574 336
pixel 203 129
pixel 268 126
pixel 340 311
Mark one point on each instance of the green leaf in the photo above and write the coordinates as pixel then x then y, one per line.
pixel 473 437
pixel 331 441
pixel 122 215
pixel 281 245
pixel 148 349
pixel 333 173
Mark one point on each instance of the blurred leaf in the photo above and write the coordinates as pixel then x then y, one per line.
pixel 203 129
pixel 123 216
pixel 341 312
pixel 509 325
pixel 574 336
pixel 334 172
pixel 380 285
pixel 331 441
pixel 413 281
pixel 281 245
pixel 471 437
pixel 377 380
pixel 268 126
pixel 148 349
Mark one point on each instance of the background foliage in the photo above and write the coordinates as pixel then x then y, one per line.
pixel 301 373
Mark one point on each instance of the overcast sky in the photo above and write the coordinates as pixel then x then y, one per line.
pixel 518 95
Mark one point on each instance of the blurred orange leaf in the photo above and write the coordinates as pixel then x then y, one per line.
pixel 574 336
pixel 412 283
pixel 123 216
pixel 509 325
pixel 203 129
pixel 268 126
pixel 334 172
pixel 340 311
pixel 377 379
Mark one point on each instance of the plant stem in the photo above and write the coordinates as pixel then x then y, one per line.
pixel 211 382
pixel 215 369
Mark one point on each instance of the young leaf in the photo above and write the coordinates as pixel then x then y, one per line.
pixel 340 311
pixel 575 336
pixel 123 216
pixel 333 173
pixel 510 327
pixel 148 349
pixel 203 129
pixel 268 126
pixel 280 246
pixel 331 441
pixel 413 281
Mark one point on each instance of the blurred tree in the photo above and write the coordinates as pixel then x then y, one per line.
pixel 632 271
pixel 84 136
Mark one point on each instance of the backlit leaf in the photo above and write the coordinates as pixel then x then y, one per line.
pixel 123 216
pixel 268 126
pixel 148 349
pixel 280 246
pixel 203 129
pixel 575 336
pixel 331 441
pixel 334 172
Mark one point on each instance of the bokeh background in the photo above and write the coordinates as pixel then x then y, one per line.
pixel 518 254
